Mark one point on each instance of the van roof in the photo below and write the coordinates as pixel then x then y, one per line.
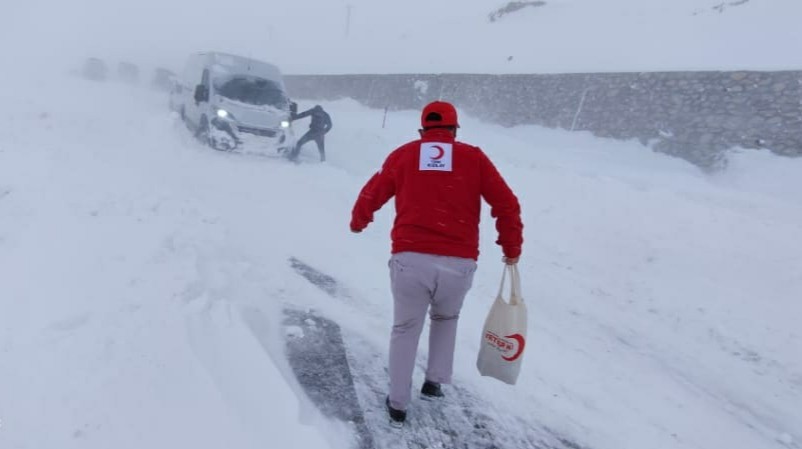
pixel 233 64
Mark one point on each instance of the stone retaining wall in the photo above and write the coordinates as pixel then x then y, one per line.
pixel 693 115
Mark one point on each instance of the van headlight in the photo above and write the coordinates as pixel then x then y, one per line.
pixel 222 113
pixel 284 124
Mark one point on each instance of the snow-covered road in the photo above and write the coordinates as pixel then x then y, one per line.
pixel 664 303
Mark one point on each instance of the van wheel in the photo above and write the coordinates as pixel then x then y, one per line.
pixel 207 137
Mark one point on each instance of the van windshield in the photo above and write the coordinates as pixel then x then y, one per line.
pixel 253 91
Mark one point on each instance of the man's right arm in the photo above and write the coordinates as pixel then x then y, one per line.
pixel 504 207
pixel 377 191
pixel 327 123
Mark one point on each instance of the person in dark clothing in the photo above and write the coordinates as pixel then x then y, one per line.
pixel 318 127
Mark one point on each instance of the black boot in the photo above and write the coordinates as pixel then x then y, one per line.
pixel 431 390
pixel 397 417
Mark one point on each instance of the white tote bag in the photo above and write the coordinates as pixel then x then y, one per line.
pixel 504 336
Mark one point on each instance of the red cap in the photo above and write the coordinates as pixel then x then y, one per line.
pixel 439 113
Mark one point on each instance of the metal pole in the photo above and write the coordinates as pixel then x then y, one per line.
pixel 348 9
pixel 579 109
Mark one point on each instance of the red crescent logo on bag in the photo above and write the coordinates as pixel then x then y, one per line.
pixel 521 343
pixel 507 344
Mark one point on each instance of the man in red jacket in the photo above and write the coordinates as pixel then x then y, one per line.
pixel 438 184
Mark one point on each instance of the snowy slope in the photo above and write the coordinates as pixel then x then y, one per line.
pixel 417 36
pixel 664 303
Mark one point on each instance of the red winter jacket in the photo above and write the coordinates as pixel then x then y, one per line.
pixel 438 184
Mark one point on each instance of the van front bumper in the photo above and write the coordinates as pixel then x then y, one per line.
pixel 277 138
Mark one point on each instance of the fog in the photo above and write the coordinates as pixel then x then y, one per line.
pixel 362 36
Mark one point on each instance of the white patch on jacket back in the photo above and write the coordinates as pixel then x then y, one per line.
pixel 435 156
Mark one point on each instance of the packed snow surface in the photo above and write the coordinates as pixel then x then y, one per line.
pixel 664 302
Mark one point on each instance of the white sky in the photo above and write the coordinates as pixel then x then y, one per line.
pixel 308 36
